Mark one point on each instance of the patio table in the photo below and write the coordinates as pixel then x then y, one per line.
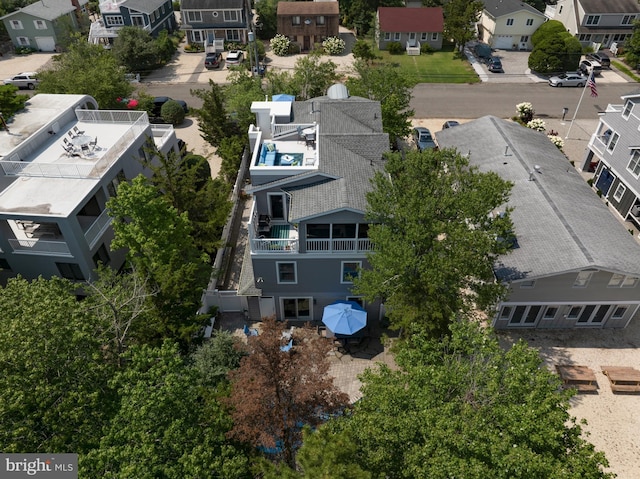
pixel 580 377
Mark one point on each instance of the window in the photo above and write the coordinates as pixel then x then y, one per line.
pixel 627 109
pixel 628 19
pixel 194 16
pixel 550 312
pixel 583 278
pixel 630 282
pixel 613 141
pixel 396 37
pixel 40 24
pixel 620 37
pixel 344 230
pixel 230 15
pixel 560 10
pixel 619 312
pixel 295 20
pixel 518 313
pixel 296 308
pixel 320 20
pixel 593 20
pixel 434 36
pixel 616 280
pixel 357 299
pixel 70 271
pixel 112 186
pixel 617 195
pixel 505 313
pixel 350 270
pixel 137 21
pixel 509 22
pixel 634 163
pixel 114 20
pixel 23 41
pixel 4 265
pixel 233 35
pixel 318 231
pixel 524 38
pixel 528 284
pixel 101 256
pixel 424 36
pixel 287 272
pixel 16 25
pixel 197 36
pixel 529 22
pixel 387 36
pixel 584 37
pixel 532 314
pixel 574 312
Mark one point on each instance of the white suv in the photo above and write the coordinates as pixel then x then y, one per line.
pixel 23 80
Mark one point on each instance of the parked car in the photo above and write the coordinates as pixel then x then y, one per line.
pixel 586 66
pixel 161 100
pixel 23 80
pixel 449 124
pixel 568 79
pixel 601 58
pixel 494 65
pixel 234 57
pixel 212 60
pixel 422 138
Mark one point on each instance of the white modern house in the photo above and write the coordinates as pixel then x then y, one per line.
pixel 60 161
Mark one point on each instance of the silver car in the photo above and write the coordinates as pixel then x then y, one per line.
pixel 568 79
pixel 23 80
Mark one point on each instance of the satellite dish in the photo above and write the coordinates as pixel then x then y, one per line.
pixel 338 92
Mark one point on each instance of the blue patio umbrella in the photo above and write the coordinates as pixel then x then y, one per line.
pixel 344 317
pixel 282 97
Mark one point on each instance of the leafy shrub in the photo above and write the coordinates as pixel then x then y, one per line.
pixel 559 142
pixel 172 112
pixel 333 45
pixel 193 48
pixel 280 45
pixel 362 50
pixel 537 124
pixel 24 50
pixel 294 48
pixel 395 48
pixel 426 48
pixel 525 112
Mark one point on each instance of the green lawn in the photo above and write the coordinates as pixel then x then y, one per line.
pixel 437 67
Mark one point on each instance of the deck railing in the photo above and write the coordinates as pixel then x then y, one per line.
pixel 338 245
pixel 274 245
pixel 38 246
pixel 97 228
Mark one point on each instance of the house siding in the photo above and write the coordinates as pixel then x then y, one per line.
pixel 515 31
pixel 404 38
pixel 306 36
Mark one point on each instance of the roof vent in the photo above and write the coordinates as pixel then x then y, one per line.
pixel 338 91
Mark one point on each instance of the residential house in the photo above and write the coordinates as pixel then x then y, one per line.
pixel 509 24
pixel 310 168
pixel 152 16
pixel 308 23
pixel 597 23
pixel 614 156
pixel 206 21
pixel 572 264
pixel 412 26
pixel 54 188
pixel 41 25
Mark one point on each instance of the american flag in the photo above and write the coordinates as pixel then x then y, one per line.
pixel 592 85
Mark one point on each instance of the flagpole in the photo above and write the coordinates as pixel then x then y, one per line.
pixel 575 113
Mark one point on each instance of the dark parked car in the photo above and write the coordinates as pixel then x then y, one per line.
pixel 212 60
pixel 449 124
pixel 601 58
pixel 423 139
pixel 494 65
pixel 158 101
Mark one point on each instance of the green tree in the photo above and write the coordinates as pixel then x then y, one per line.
pixel 10 101
pixel 161 248
pixel 461 17
pixel 557 52
pixel 362 50
pixel 243 89
pixel 87 69
pixel 546 30
pixel 312 76
pixel 267 21
pixel 435 238
pixel 230 150
pixel 135 49
pixel 172 112
pixel 53 379
pixel 464 407
pixel 187 184
pixel 385 84
pixel 213 120
pixel 162 427
pixel 214 359
pixel 632 47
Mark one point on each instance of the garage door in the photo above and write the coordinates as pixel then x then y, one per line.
pixel 46 44
pixel 503 42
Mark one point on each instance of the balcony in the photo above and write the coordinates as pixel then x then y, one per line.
pixel 338 245
pixel 39 246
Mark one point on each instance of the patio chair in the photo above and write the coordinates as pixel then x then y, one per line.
pixel 93 143
pixel 287 347
pixel 250 331
pixel 85 149
pixel 71 134
pixel 77 131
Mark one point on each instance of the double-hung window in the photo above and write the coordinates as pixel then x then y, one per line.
pixel 349 271
pixel 16 25
pixel 634 163
pixel 593 20
pixel 612 142
pixel 509 22
pixel 287 272
pixel 194 16
pixel 230 15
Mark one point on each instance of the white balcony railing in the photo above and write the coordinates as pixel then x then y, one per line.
pixel 358 245
pixel 97 228
pixel 274 245
pixel 598 144
pixel 38 246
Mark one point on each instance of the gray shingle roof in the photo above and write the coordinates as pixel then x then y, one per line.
pixel 560 223
pixel 498 8
pixel 610 6
pixel 211 4
pixel 351 145
pixel 144 6
pixel 49 10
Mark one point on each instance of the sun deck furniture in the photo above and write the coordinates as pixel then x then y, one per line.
pixel 268 154
pixel 581 378
pixel 250 331
pixel 623 379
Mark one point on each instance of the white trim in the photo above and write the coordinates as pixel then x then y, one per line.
pixel 297 298
pixel 295 272
pixel 16 25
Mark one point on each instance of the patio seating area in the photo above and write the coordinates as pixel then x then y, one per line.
pixel 581 378
pixel 622 379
